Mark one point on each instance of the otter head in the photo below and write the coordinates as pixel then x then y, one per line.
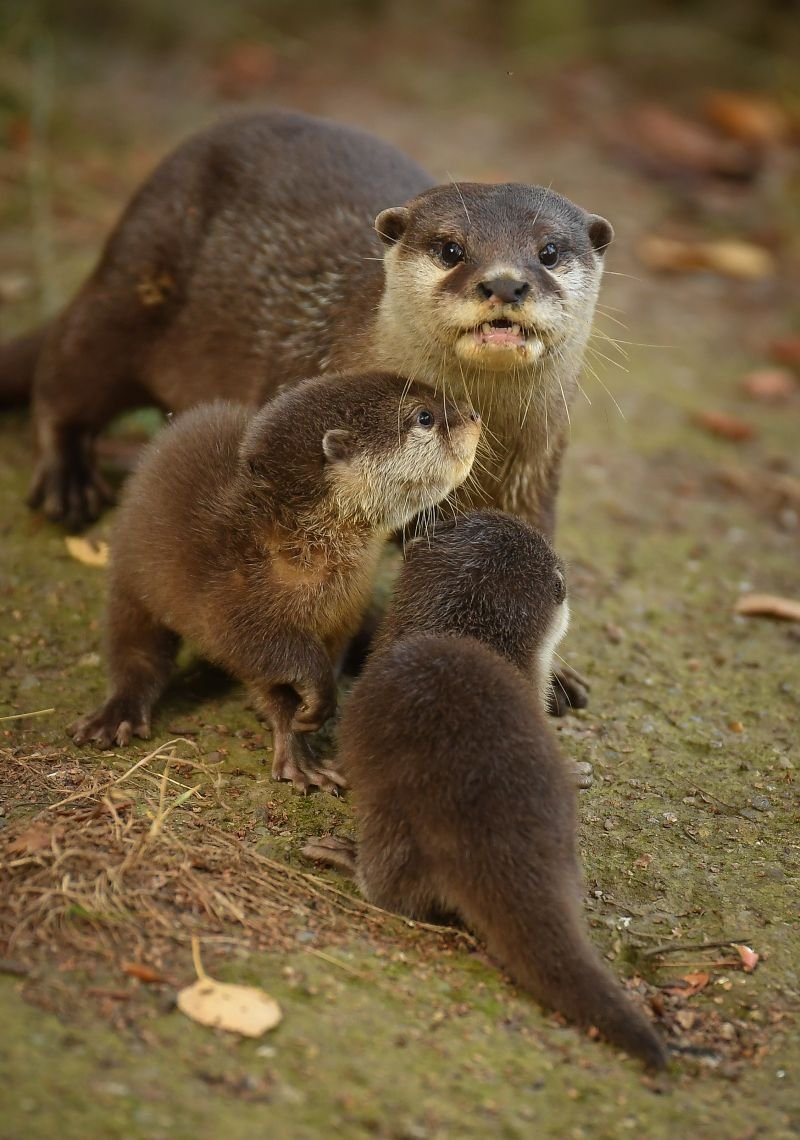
pixel 500 276
pixel 372 449
pixel 398 448
pixel 487 575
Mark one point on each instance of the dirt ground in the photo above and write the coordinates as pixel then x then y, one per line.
pixel 689 832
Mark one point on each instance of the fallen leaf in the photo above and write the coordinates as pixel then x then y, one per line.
pixel 643 861
pixel 142 972
pixel 729 257
pixel 37 837
pixel 786 350
pixel 239 1009
pixel 724 426
pixel 772 385
pixel 741 259
pixel 748 956
pixel 246 69
pixel 222 1005
pixel 749 118
pixel 696 982
pixel 86 551
pixel 768 605
pixel 670 140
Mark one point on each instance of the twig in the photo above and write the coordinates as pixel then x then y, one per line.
pixel 337 962
pixel 24 716
pixel 673 947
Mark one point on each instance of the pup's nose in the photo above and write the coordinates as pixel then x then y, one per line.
pixel 507 289
pixel 473 415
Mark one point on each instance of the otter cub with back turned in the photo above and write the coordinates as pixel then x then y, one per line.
pixel 463 801
pixel 256 536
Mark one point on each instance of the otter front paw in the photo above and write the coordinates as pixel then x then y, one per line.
pixel 332 851
pixel 70 491
pixel 293 760
pixel 568 690
pixel 115 722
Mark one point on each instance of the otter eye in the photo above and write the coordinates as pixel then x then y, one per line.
pixel 548 255
pixel 451 253
pixel 425 418
pixel 561 587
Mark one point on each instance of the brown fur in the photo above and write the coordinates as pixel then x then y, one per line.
pixel 256 538
pixel 463 801
pixel 249 259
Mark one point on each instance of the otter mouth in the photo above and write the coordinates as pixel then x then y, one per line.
pixel 502 333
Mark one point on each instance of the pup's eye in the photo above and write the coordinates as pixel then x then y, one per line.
pixel 425 418
pixel 561 587
pixel 451 254
pixel 548 255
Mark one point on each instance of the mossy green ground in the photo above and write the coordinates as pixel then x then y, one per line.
pixel 694 712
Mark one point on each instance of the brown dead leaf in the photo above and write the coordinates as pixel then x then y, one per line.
pixel 669 140
pixel 768 605
pixel 771 385
pixel 38 836
pixel 786 350
pixel 85 550
pixel 246 69
pixel 142 972
pixel 748 956
pixel 752 119
pixel 729 257
pixel 688 985
pixel 724 426
pixel 239 1009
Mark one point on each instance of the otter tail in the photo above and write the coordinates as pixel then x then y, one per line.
pixel 550 956
pixel 17 365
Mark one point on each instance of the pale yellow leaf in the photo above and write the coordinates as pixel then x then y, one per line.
pixel 86 551
pixel 239 1009
pixel 768 605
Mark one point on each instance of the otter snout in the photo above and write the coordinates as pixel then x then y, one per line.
pixel 508 290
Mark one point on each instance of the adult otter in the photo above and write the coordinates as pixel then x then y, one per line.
pixel 249 259
pixel 256 536
pixel 462 800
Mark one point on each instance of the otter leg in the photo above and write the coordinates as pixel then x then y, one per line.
pixel 86 375
pixel 141 656
pixel 333 851
pixel 296 692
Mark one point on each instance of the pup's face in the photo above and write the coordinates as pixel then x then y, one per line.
pixel 402 451
pixel 501 276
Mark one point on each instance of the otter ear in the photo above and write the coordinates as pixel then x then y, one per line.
pixel 338 445
pixel 392 224
pixel 601 233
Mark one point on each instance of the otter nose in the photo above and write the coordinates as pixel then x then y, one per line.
pixel 473 415
pixel 506 289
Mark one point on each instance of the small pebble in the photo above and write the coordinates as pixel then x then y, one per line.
pixel 785 763
pixel 760 803
pixel 669 818
pixel 609 824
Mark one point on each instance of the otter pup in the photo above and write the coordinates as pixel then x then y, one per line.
pixel 464 804
pixel 256 537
